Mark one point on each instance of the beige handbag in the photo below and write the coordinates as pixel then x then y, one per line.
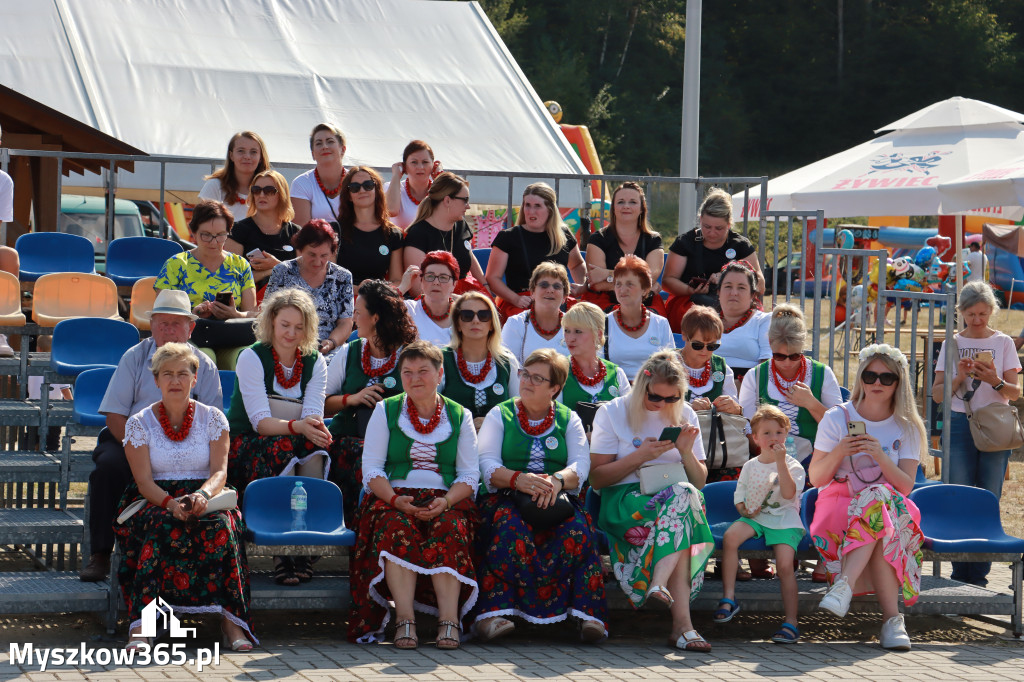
pixel 724 434
pixel 285 408
pixel 995 427
pixel 656 477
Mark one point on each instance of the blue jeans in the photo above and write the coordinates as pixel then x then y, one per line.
pixel 969 466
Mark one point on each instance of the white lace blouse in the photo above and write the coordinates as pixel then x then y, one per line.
pixel 187 459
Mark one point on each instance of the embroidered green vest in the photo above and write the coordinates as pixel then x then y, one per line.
pixel 573 393
pixel 344 423
pixel 458 390
pixel 238 418
pixel 806 426
pixel 717 369
pixel 399 460
pixel 516 444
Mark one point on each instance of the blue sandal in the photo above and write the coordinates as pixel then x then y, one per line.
pixel 723 614
pixel 787 634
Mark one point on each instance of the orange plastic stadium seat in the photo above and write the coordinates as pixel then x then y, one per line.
pixel 65 295
pixel 143 296
pixel 10 301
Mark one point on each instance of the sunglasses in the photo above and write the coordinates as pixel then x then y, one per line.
pixel 697 345
pixel 462 199
pixel 779 357
pixel 365 185
pixel 887 378
pixel 667 399
pixel 269 190
pixel 443 279
pixel 544 284
pixel 468 315
pixel 534 379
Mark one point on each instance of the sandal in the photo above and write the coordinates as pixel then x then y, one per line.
pixel 724 614
pixel 241 644
pixel 660 596
pixel 787 634
pixel 494 627
pixel 448 626
pixel 409 636
pixel 767 574
pixel 135 643
pixel 284 573
pixel 303 569
pixel 691 641
pixel 592 632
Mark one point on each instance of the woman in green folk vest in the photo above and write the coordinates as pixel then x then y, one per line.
pixel 361 374
pixel 479 372
pixel 418 521
pixel 543 575
pixel 266 440
pixel 591 379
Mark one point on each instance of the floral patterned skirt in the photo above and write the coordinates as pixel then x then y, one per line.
pixel 347 473
pixel 199 571
pixel 726 474
pixel 879 513
pixel 644 529
pixel 253 456
pixel 542 577
pixel 441 545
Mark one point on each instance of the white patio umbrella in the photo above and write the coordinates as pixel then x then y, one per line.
pixel 899 173
pixel 1000 188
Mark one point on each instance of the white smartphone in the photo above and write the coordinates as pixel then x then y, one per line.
pixel 255 252
pixel 984 356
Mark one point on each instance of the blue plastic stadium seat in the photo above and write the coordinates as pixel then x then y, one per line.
pixel 844 392
pixel 947 529
pixel 89 342
pixel 810 496
pixel 266 507
pixel 921 481
pixel 353 336
pixel 42 253
pixel 593 506
pixel 482 256
pixel 679 340
pixel 722 513
pixel 130 259
pixel 227 386
pixel 89 389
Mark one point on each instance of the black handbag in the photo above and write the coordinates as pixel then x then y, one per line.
pixel 542 519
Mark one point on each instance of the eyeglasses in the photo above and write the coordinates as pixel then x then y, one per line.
pixel 207 237
pixel 365 185
pixel 462 199
pixel 443 279
pixel 887 378
pixel 667 399
pixel 697 345
pixel 467 315
pixel 269 190
pixel 544 284
pixel 533 379
pixel 779 357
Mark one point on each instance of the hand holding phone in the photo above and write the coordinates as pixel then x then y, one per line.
pixel 984 356
pixel 225 298
pixel 857 428
pixel 255 253
pixel 671 433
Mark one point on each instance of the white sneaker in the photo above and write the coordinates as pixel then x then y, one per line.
pixel 894 634
pixel 837 599
pixel 5 348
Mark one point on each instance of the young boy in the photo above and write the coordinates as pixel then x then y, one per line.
pixel 768 498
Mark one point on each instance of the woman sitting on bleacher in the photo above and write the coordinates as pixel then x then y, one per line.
pixel 417 523
pixel 435 276
pixel 532 450
pixel 865 459
pixel 541 325
pixel 276 412
pixel 178 452
pixel 591 379
pixel 634 330
pixel 745 334
pixel 660 542
pixel 264 237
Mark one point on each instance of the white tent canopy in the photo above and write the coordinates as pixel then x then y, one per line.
pixel 998 186
pixel 899 173
pixel 180 78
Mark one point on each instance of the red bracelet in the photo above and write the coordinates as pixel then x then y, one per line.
pixel 290 429
pixel 393 498
pixel 166 500
pixel 344 401
pixel 512 483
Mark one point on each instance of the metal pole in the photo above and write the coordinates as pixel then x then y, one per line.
pixel 688 145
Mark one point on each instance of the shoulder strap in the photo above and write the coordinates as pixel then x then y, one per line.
pixel 698 251
pixel 606 356
pixel 526 328
pixel 719 427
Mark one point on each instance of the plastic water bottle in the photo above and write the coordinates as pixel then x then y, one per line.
pixel 791 447
pixel 298 507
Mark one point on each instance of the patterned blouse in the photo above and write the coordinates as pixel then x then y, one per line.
pixel 184 272
pixel 333 298
pixel 188 459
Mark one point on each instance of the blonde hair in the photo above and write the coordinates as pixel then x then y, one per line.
pixel 494 345
pixel 554 226
pixel 904 405
pixel 586 315
pixel 787 327
pixel 664 367
pixel 558 364
pixel 446 184
pixel 289 298
pixel 769 413
pixel 717 204
pixel 173 352
pixel 553 270
pixel 285 211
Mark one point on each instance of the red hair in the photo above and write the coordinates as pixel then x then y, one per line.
pixel 315 233
pixel 444 258
pixel 635 265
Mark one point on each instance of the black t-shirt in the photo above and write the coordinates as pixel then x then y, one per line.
pixel 459 242
pixel 609 243
pixel 736 247
pixel 247 233
pixel 537 245
pixel 368 255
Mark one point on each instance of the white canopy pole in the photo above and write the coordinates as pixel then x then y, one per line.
pixel 689 144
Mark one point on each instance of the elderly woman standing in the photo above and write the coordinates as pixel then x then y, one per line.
pixel 417 525
pixel 316 193
pixel 229 184
pixel 431 312
pixel 591 379
pixel 541 325
pixel 986 372
pixel 537 447
pixel 659 543
pixel 865 528
pixel 178 452
pixel 745 337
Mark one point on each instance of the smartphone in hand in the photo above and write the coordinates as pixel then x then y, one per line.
pixel 226 298
pixel 984 356
pixel 671 433
pixel 857 428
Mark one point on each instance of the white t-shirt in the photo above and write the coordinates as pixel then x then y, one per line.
pixel 629 353
pixel 306 187
pixel 745 347
pixel 428 329
pixel 407 215
pixel 519 336
pixel 1004 356
pixel 252 384
pixel 212 190
pixel 759 483
pixel 6 198
pixel 976 261
pixel 896 442
pixel 728 387
pixel 612 435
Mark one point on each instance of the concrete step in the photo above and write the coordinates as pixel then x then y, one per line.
pixel 324 591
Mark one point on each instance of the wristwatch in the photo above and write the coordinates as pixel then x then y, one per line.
pixel 999 386
pixel 560 478
pixel 610 278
